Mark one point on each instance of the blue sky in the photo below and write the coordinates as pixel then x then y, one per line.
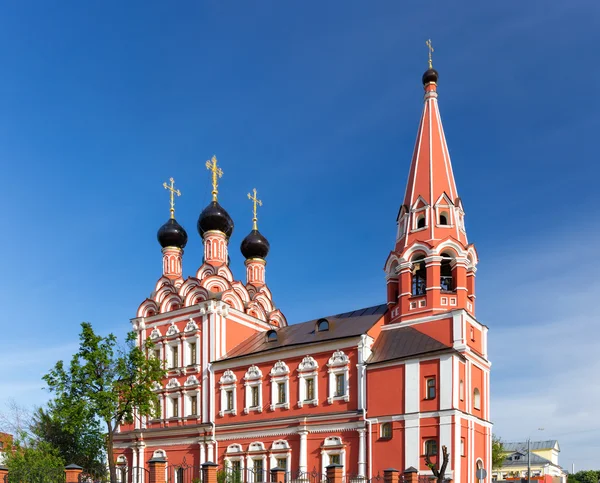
pixel 315 104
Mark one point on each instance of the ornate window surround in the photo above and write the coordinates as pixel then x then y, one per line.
pixel 253 378
pixel 333 445
pixel 280 373
pixel 228 382
pixel 308 369
pixel 338 363
pixel 280 449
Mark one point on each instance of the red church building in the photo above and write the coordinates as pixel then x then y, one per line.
pixel 368 389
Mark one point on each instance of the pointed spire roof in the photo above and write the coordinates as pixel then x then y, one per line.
pixel 431 197
pixel 430 173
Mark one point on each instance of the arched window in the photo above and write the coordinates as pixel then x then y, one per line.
pixel 431 447
pixel 421 222
pixel 476 399
pixel 419 280
pixel 271 335
pixel 322 325
pixel 386 431
pixel 444 218
pixel 446 280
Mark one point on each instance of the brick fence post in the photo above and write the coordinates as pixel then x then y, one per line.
pixel 209 472
pixel 391 475
pixel 3 474
pixel 334 473
pixel 72 473
pixel 157 470
pixel 411 475
pixel 277 475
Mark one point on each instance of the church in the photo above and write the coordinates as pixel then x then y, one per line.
pixel 386 386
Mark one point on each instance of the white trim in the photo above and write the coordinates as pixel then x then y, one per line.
pixel 338 364
pixel 411 387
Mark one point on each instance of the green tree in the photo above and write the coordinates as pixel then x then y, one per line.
pixel 28 459
pixel 585 476
pixel 497 452
pixel 109 382
pixel 73 431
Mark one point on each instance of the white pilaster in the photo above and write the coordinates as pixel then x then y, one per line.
pixel 210 452
pixel 412 443
pixel 411 385
pixel 202 452
pixel 134 463
pixel 303 450
pixel 362 452
pixel 141 461
pixel 446 438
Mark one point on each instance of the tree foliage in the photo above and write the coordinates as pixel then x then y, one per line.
pixel 585 476
pixel 73 431
pixel 439 471
pixel 497 452
pixel 28 456
pixel 113 384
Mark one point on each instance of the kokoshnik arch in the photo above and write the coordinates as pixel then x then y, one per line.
pixel 369 389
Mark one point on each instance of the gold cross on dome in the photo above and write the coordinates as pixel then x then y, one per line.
pixel 216 174
pixel 430 47
pixel 173 192
pixel 255 201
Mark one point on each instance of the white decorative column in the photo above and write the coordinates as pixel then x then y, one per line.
pixel 362 452
pixel 134 463
pixel 202 451
pixel 141 461
pixel 303 450
pixel 210 452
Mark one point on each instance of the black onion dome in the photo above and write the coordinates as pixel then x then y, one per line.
pixel 215 217
pixel 430 75
pixel 172 234
pixel 255 245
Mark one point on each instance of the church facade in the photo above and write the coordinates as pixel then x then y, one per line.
pixel 369 389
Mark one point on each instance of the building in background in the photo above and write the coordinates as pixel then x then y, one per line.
pixel 369 389
pixel 6 442
pixel 543 462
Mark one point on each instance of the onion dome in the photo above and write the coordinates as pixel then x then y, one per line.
pixel 430 75
pixel 172 234
pixel 215 217
pixel 255 245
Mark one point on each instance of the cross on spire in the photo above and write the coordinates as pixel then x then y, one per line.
pixel 173 192
pixel 255 201
pixel 430 48
pixel 216 174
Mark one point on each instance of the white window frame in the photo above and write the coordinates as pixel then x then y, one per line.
pixel 256 452
pixel 169 355
pixel 187 356
pixel 308 369
pixel 235 453
pixel 174 397
pixel 280 373
pixel 253 378
pixel 188 403
pixel 338 363
pixel 333 445
pixel 228 382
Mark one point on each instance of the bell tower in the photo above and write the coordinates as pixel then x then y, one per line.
pixel 432 267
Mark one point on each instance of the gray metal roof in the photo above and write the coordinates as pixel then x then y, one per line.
pixel 403 342
pixel 534 459
pixel 534 445
pixel 348 324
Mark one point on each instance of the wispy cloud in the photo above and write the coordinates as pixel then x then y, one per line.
pixel 544 345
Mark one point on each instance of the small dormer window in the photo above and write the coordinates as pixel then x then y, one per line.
pixel 322 325
pixel 421 222
pixel 271 335
pixel 444 218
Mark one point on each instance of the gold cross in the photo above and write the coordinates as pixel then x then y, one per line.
pixel 430 47
pixel 255 201
pixel 216 174
pixel 173 193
